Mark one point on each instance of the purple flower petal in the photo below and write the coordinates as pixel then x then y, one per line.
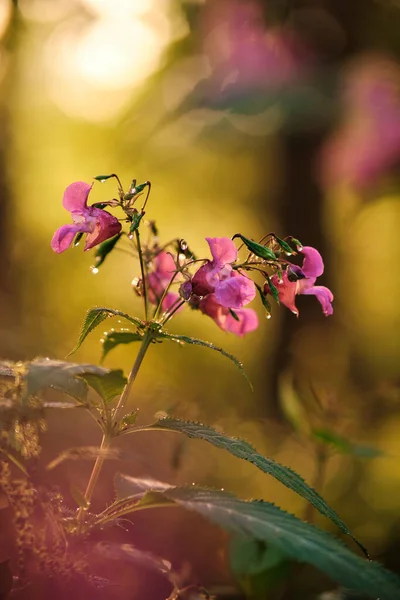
pixel 64 236
pixel 223 251
pixel 75 197
pixel 324 295
pixel 235 292
pixel 313 265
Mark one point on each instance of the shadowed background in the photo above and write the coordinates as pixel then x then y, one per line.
pixel 247 117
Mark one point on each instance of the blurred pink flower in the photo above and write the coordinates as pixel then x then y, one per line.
pixel 98 224
pixel 243 53
pixel 248 320
pixel 159 278
pixel 231 289
pixel 312 268
pixel 368 143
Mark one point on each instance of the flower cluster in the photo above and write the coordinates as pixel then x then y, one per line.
pixel 220 288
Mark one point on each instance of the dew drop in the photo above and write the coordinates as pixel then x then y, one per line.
pixel 222 489
pixel 130 236
pixel 268 316
pixel 94 270
pixel 101 340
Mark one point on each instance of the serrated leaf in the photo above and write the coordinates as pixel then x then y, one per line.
pixel 184 339
pixel 258 249
pixel 109 385
pixel 95 316
pixel 112 339
pixel 301 541
pixel 244 450
pixel 86 453
pixel 104 249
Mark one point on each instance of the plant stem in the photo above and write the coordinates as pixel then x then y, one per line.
pixel 143 272
pixel 107 437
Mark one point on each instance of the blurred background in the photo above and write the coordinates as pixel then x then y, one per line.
pixel 250 116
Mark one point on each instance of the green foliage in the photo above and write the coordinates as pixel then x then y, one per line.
pixel 258 249
pixel 136 218
pixel 284 245
pixel 104 249
pixel 184 339
pixel 343 445
pixel 109 385
pixel 112 339
pixel 273 289
pixel 95 316
pixel 264 299
pixel 257 566
pixel 244 450
pixel 296 539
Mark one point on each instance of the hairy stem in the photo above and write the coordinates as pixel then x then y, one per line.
pixel 107 437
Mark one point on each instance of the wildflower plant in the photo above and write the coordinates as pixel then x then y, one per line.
pixel 59 541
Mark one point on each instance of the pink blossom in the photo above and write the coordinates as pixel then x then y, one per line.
pixel 231 289
pixel 159 279
pixel 368 142
pixel 312 268
pixel 248 320
pixel 99 225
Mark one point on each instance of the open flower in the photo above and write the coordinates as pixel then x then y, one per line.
pixel 99 225
pixel 312 268
pixel 246 321
pixel 231 289
pixel 159 279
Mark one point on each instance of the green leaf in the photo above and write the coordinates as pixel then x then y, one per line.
pixel 343 445
pixel 184 339
pixel 95 316
pixel 104 249
pixel 112 339
pixel 284 245
pixel 86 453
pixel 136 218
pixel 264 299
pixel 102 178
pixel 244 450
pixel 258 249
pixel 301 541
pixel 273 289
pixel 108 385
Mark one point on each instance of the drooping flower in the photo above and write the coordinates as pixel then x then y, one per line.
pixel 217 289
pixel 159 278
pixel 98 224
pixel 231 289
pixel 312 268
pixel 246 321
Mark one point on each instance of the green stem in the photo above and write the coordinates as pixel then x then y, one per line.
pixel 107 437
pixel 143 272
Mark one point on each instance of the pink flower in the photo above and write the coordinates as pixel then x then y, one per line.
pixel 247 322
pixel 231 289
pixel 367 145
pixel 312 268
pixel 98 224
pixel 159 278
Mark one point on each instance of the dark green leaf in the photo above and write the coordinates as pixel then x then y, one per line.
pixel 234 315
pixel 184 339
pixel 256 248
pixel 284 245
pixel 103 177
pixel 129 419
pixel 104 249
pixel 244 450
pixel 264 299
pixel 112 339
pixel 299 245
pixel 273 289
pixel 95 316
pixel 78 238
pixel 136 218
pixel 301 541
pixel 108 385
